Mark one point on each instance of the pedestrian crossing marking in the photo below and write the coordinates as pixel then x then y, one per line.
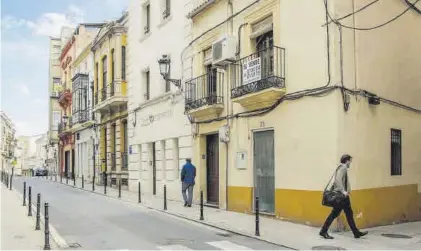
pixel 173 247
pixel 227 245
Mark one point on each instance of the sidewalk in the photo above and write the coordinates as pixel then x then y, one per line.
pixel 17 228
pixel 284 233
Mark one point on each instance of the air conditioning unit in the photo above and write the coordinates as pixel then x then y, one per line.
pixel 223 51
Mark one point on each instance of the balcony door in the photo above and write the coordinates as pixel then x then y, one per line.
pixel 211 84
pixel 264 46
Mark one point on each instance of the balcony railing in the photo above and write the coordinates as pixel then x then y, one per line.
pixel 113 162
pixel 112 88
pixel 204 90
pixel 96 98
pixel 259 71
pixel 80 116
pixel 124 161
pixel 104 94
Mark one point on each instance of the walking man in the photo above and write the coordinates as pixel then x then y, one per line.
pixel 341 184
pixel 188 174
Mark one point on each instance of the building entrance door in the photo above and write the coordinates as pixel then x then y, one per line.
pixel 212 169
pixel 264 170
pixel 66 163
pixel 153 169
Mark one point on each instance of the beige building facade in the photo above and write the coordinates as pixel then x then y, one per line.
pixel 7 141
pixel 277 98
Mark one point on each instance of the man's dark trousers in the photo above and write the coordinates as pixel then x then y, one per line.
pixel 346 206
pixel 189 187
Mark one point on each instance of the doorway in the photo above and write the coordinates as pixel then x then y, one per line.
pixel 264 170
pixel 73 164
pixel 212 169
pixel 153 169
pixel 66 163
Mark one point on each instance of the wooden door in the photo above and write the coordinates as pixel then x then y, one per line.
pixel 212 169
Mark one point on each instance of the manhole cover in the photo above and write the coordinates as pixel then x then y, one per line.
pixel 327 248
pixel 224 234
pixel 397 236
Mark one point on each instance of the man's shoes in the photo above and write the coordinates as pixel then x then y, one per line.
pixel 360 234
pixel 185 204
pixel 189 205
pixel 325 235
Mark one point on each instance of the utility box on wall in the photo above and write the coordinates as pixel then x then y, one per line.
pixel 241 160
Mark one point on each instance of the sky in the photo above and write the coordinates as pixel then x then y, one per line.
pixel 25 29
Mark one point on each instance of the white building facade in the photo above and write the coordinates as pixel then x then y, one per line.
pixel 7 141
pixel 159 132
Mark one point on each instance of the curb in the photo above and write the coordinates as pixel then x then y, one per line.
pixel 184 217
pixel 55 236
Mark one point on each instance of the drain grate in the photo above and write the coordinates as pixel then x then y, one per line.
pixel 327 248
pixel 397 236
pixel 224 234
pixel 74 245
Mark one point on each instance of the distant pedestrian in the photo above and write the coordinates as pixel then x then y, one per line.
pixel 188 174
pixel 342 187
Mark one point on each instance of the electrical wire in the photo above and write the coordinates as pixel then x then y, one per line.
pixel 413 6
pixel 374 27
pixel 355 12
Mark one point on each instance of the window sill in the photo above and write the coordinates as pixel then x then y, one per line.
pixel 144 37
pixel 164 21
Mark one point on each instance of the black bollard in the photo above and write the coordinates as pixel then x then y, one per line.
pixel 105 185
pixel 83 181
pixel 29 201
pixel 24 193
pixel 67 179
pixel 201 206
pixel 38 211
pixel 61 178
pixel 257 233
pixel 74 180
pixel 93 184
pixel 138 193
pixel 119 189
pixel 165 197
pixel 11 178
pixel 7 180
pixel 47 227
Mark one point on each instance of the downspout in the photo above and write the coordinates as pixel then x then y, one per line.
pixel 230 31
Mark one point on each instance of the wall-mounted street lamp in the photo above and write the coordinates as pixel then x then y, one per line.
pixel 65 118
pixel 164 69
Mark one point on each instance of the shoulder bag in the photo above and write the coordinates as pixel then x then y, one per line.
pixel 333 198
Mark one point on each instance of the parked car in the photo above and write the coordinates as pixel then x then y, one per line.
pixel 41 171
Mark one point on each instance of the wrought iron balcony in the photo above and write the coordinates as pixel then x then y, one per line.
pixel 112 88
pixel 204 90
pixel 104 93
pixel 96 97
pixel 259 71
pixel 80 116
pixel 65 98
pixel 113 162
pixel 124 161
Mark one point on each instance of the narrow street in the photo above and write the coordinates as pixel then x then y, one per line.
pixel 98 222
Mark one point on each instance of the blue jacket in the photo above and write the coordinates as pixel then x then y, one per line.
pixel 188 173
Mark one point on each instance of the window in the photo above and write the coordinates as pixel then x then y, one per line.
pixel 123 63
pixel 56 120
pixel 124 182
pixel 264 47
pixel 112 65
pixel 167 9
pixel 104 72
pixel 147 81
pixel 396 152
pixel 148 18
pixel 126 141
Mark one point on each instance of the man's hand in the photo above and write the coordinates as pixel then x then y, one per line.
pixel 345 193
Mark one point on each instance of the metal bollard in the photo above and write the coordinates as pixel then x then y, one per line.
pixel 11 179
pixel 29 201
pixel 38 211
pixel 24 193
pixel 93 184
pixel 165 197
pixel 257 233
pixel 61 178
pixel 47 227
pixel 201 206
pixel 138 194
pixel 83 181
pixel 119 189
pixel 67 179
pixel 74 180
pixel 105 185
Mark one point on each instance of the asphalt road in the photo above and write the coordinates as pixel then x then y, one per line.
pixel 98 222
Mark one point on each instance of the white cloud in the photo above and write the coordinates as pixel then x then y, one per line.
pixel 10 22
pixel 24 89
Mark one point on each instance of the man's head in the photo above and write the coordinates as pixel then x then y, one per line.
pixel 188 160
pixel 346 159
